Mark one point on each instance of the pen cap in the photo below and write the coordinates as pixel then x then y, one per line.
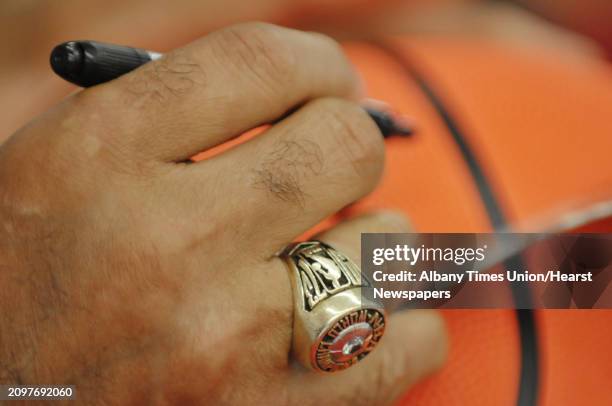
pixel 88 63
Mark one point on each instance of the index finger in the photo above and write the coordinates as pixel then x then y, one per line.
pixel 219 86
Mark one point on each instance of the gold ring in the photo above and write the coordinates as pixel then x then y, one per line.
pixel 335 323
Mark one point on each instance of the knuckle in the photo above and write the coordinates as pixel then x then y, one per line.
pixel 261 48
pixel 355 135
pixel 285 167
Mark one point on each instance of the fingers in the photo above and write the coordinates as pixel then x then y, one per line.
pixel 220 86
pixel 413 346
pixel 321 158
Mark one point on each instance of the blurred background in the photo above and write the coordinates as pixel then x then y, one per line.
pixel 512 102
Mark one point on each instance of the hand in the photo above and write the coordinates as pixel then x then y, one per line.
pixel 141 279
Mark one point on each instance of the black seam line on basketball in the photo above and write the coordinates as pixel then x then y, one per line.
pixel 529 375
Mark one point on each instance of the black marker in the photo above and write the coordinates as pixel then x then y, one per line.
pixel 89 63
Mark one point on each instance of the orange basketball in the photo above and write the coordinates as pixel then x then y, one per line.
pixel 504 136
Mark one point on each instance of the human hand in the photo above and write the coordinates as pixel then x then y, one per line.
pixel 141 279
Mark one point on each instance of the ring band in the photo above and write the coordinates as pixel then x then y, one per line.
pixel 335 325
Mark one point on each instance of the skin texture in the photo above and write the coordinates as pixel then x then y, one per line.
pixel 144 280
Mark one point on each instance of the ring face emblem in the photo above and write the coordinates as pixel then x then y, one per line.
pixel 335 326
pixel 350 339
